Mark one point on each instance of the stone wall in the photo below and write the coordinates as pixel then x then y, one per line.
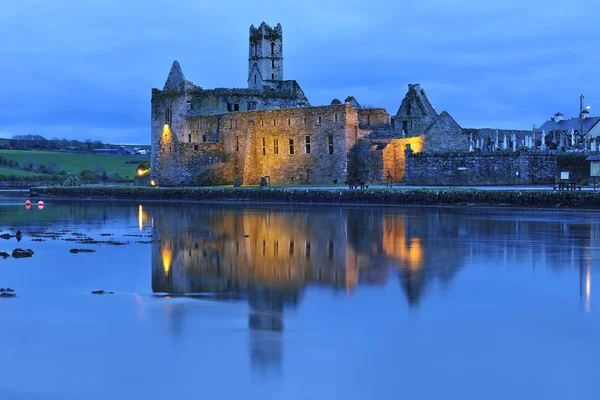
pixel 480 169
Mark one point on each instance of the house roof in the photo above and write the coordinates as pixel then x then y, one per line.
pixel 568 124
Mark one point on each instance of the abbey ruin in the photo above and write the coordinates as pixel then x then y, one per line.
pixel 270 130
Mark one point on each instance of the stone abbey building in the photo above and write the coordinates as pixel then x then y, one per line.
pixel 269 129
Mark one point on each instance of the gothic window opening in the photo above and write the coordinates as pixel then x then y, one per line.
pixel 236 123
pixel 168 116
pixel 272 48
pixel 275 146
pixel 330 143
pixel 229 107
pixel 307 144
pixel 291 146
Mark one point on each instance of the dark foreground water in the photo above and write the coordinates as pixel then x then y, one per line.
pixel 298 303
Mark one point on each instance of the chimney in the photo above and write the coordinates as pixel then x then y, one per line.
pixel 558 117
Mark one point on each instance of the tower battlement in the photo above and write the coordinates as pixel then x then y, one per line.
pixel 265 56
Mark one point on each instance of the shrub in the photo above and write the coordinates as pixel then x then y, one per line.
pixel 72 180
pixel 29 163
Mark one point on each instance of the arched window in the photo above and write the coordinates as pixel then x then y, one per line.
pixel 272 48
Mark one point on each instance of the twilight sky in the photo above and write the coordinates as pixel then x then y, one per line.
pixel 85 68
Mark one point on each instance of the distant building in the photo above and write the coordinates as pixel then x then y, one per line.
pixel 558 124
pixel 121 151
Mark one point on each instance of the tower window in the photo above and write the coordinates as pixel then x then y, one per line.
pixel 229 107
pixel 255 79
pixel 307 144
pixel 304 120
pixel 335 117
pixel 236 107
pixel 272 48
pixel 291 146
pixel 275 146
pixel 189 138
pixel 237 143
pixel 330 143
pixel 168 116
pixel 408 109
pixel 404 126
pixel 272 63
pixel 264 146
pixel 274 122
pixel 368 119
pixel 196 147
pixel 204 138
pixel 289 121
pixel 319 121
pixel 272 76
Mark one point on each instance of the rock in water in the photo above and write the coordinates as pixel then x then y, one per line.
pixel 4 254
pixel 20 253
pixel 101 292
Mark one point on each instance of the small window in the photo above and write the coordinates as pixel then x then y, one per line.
pixel 204 138
pixel 291 146
pixel 272 63
pixel 304 120
pixel 272 48
pixel 236 123
pixel 289 121
pixel 230 124
pixel 262 123
pixel 319 121
pixel 274 122
pixel 408 109
pixel 307 144
pixel 264 146
pixel 236 107
pixel 272 76
pixel 335 117
pixel 170 149
pixel 229 107
pixel 275 146
pixel 168 116
pixel 196 147
pixel 237 143
pixel 254 79
pixel 368 119
pixel 330 143
pixel 404 126
pixel 189 138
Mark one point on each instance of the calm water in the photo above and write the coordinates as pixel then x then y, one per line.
pixel 299 302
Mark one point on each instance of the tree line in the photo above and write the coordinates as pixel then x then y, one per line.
pixel 37 142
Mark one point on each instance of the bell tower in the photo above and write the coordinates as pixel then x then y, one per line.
pixel 265 56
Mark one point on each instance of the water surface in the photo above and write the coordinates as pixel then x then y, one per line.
pixel 298 302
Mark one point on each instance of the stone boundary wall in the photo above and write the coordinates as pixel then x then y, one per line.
pixel 388 197
pixel 480 169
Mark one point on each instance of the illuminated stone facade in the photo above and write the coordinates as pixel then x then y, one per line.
pixel 270 132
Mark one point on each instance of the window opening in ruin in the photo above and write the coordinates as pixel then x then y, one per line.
pixel 319 121
pixel 368 119
pixel 169 149
pixel 191 106
pixel 231 124
pixel 272 63
pixel 236 107
pixel 255 78
pixel 196 147
pixel 262 123
pixel 264 146
pixel 289 121
pixel 408 109
pixel 274 122
pixel 272 76
pixel 330 142
pixel 237 143
pixel 305 120
pixel 204 138
pixel 189 138
pixel 307 144
pixel 168 116
pixel 229 107
pixel 405 126
pixel 335 117
pixel 291 146
pixel 236 123
pixel 272 48
pixel 275 146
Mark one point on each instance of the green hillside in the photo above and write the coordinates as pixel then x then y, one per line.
pixel 75 162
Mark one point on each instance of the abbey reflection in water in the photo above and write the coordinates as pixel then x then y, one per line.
pixel 272 255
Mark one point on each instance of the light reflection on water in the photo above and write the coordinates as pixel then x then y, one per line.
pixel 292 294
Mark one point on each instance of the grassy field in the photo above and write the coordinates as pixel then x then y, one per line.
pixel 74 162
pixel 18 172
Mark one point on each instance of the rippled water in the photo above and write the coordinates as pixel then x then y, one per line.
pixel 298 302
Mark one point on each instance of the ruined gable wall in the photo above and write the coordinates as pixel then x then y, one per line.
pixel 373 117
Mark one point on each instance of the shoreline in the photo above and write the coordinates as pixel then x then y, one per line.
pixel 510 198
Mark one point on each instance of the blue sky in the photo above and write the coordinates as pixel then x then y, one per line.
pixel 85 69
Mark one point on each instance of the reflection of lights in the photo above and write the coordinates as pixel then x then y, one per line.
pixel 415 254
pixel 588 289
pixel 140 217
pixel 167 257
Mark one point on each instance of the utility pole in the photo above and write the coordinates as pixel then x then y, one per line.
pixel 581 121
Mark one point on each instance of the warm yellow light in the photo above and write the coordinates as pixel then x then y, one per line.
pixel 140 217
pixel 167 256
pixel 152 183
pixel 140 172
